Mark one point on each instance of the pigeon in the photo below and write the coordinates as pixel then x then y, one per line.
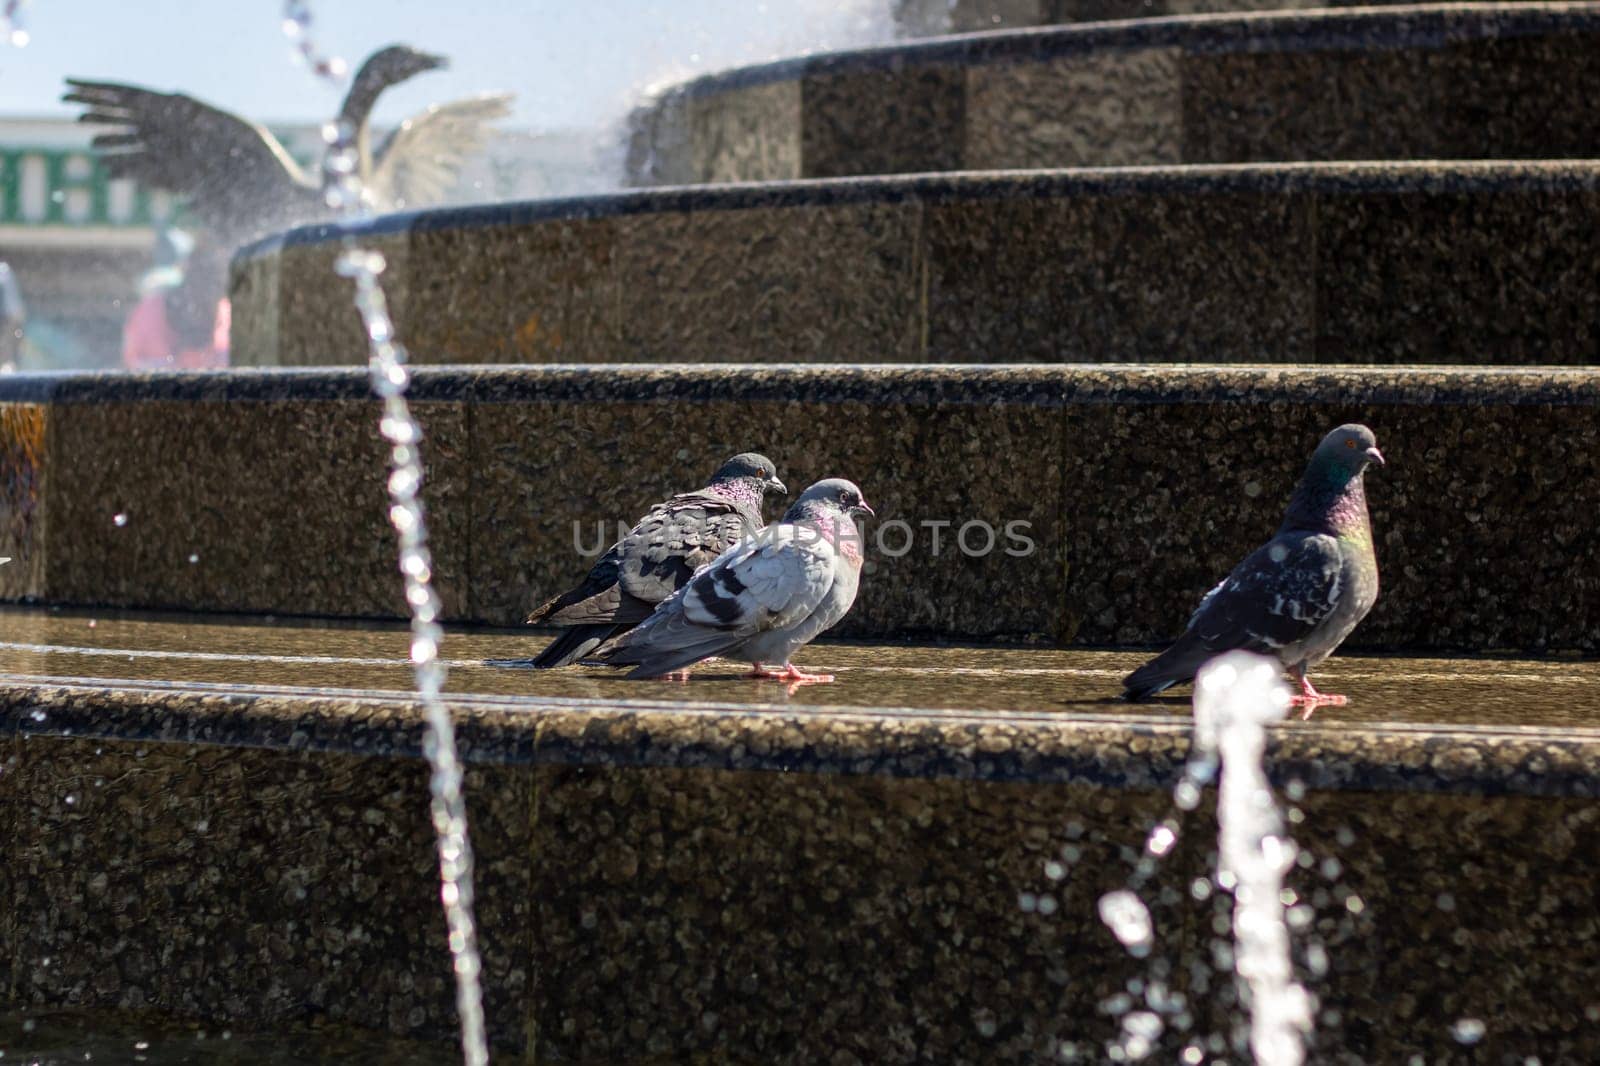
pixel 761 600
pixel 657 557
pixel 1297 596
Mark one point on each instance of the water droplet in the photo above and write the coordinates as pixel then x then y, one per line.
pixel 1468 1031
pixel 1161 840
pixel 1129 921
pixel 194 557
pixel 119 519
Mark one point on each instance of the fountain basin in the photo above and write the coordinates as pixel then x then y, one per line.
pixel 252 491
pixel 921 18
pixel 1388 263
pixel 711 869
pixel 1479 81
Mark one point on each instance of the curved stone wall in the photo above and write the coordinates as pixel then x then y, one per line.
pixel 1138 488
pixel 932 18
pixel 1290 263
pixel 1489 81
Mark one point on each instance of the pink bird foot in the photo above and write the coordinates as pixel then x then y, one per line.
pixel 1311 699
pixel 794 678
pixel 674 675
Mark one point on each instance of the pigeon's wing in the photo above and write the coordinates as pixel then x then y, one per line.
pixel 1278 596
pixel 418 162
pixel 224 167
pixel 585 602
pixel 672 542
pixel 773 581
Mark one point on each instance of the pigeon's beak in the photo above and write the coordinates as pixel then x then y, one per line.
pixel 1376 456
pixel 430 61
pixel 774 485
pixel 862 508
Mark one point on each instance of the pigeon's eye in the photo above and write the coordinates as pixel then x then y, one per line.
pixel 1350 444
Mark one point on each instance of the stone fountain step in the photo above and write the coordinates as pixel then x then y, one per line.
pixel 1429 262
pixel 696 872
pixel 261 492
pixel 935 18
pixel 1454 81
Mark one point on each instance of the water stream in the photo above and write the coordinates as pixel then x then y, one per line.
pixel 390 379
pixel 1236 697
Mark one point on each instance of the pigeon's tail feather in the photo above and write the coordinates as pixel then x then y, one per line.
pixel 574 644
pixel 666 660
pixel 1175 666
pixel 667 643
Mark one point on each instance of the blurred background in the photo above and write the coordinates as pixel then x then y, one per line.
pixel 93 261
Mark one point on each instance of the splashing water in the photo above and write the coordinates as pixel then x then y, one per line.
pixel 1236 697
pixel 390 378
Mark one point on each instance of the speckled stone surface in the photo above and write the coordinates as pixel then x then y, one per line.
pixel 932 18
pixel 1142 486
pixel 1463 81
pixel 794 283
pixel 752 135
pixel 1122 108
pixel 652 888
pixel 668 430
pixel 273 304
pixel 24 443
pixel 267 506
pixel 881 120
pixel 1467 491
pixel 253 885
pixel 554 306
pixel 1450 263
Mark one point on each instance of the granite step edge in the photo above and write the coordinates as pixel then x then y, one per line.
pixel 1138 751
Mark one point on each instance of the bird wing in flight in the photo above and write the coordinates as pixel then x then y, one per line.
pixel 419 160
pixel 232 173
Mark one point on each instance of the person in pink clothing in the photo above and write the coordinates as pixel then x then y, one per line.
pixel 172 326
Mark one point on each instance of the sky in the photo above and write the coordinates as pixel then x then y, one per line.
pixel 572 63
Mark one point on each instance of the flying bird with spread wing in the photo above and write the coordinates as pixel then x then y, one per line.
pixel 239 180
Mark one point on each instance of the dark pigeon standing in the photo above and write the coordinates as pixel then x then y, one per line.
pixel 761 600
pixel 658 557
pixel 1299 595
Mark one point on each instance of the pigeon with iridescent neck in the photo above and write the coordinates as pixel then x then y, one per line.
pixel 1297 596
pixel 657 557
pixel 761 600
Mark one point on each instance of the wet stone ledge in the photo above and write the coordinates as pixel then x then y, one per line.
pixel 661 882
pixel 261 492
pixel 1478 81
pixel 934 18
pixel 1401 263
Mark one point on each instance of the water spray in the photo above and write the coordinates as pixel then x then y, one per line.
pixel 343 191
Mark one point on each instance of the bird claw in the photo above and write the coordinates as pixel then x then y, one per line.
pixel 792 676
pixel 1310 699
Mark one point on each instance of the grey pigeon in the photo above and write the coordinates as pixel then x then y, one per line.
pixel 763 599
pixel 657 557
pixel 1297 596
